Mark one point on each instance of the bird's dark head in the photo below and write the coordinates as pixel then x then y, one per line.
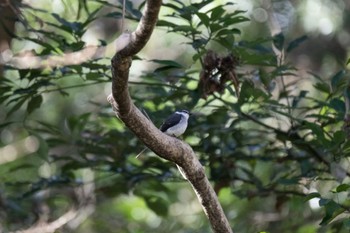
pixel 185 113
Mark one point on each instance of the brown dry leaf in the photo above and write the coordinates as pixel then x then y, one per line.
pixel 216 72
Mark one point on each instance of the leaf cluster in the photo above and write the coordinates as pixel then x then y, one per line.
pixel 263 134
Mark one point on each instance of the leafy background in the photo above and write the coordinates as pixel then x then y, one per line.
pixel 276 149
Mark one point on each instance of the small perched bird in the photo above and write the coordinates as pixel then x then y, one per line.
pixel 175 125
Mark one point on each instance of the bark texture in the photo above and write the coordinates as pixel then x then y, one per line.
pixel 167 147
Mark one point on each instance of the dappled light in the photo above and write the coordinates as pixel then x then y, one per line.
pixel 266 82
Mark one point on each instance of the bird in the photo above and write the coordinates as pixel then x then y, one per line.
pixel 175 125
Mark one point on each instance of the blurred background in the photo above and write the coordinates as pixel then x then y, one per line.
pixel 276 151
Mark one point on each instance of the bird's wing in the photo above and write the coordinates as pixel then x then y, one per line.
pixel 170 121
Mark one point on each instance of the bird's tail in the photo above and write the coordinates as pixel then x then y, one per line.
pixel 141 152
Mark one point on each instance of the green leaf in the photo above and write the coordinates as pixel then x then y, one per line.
pixel 129 6
pixel 163 23
pixel 94 66
pixel 43 149
pixel 185 28
pixel 214 27
pixel 323 87
pixel 339 137
pixel 170 63
pixel 201 4
pixel 338 105
pixel 249 93
pixel 227 22
pixel 332 210
pixel 106 3
pixel 76 46
pixel 296 100
pixel 157 204
pixel 116 15
pixel 312 196
pixel 224 32
pixel 4 97
pixel 216 13
pixel 278 41
pixel 339 82
pixel 199 43
pixel 295 43
pixel 21 91
pixel 21 167
pixel 3 125
pixel 226 41
pixel 163 68
pixel 78 123
pixel 204 18
pixel 289 181
pixel 346 223
pixel 46 127
pixel 318 131
pixel 172 6
pixel 341 188
pixel 93 76
pixel 187 12
pixel 67 26
pixel 34 103
pixel 42 43
pixel 17 106
pixel 92 16
pixel 346 147
pixel 197 56
pixel 255 54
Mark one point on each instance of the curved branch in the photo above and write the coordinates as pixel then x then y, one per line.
pixel 143 32
pixel 167 147
pixel 52 226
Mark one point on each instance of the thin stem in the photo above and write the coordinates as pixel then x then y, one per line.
pixel 73 86
pixel 123 16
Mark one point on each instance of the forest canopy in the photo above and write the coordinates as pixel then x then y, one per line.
pixel 267 84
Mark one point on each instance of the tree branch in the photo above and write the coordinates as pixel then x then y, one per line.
pixel 167 147
pixel 29 61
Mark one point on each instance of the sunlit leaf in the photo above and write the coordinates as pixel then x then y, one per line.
pixel 341 188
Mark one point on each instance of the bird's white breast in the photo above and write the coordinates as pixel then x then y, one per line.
pixel 180 128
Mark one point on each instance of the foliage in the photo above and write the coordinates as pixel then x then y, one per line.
pixel 277 139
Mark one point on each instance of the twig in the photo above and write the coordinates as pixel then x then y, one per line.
pixel 123 16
